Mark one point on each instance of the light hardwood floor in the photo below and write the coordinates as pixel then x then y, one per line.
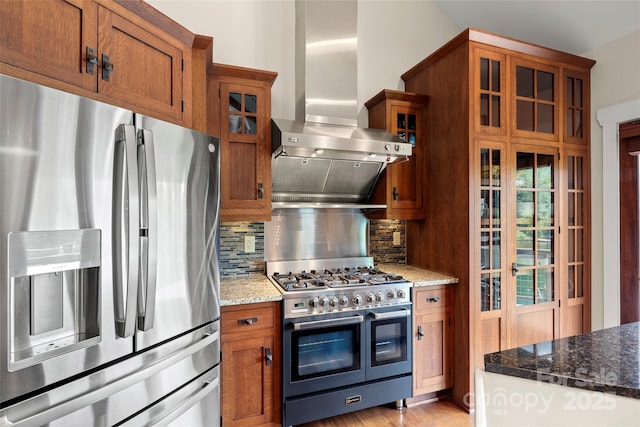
pixel 443 413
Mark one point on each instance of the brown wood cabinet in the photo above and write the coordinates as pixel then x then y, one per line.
pixel 432 342
pixel 241 116
pixel 251 357
pixel 122 52
pixel 507 185
pixel 400 186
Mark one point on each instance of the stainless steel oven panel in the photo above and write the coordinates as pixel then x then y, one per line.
pixel 388 335
pixel 299 377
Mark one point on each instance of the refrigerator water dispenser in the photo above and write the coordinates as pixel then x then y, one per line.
pixel 53 295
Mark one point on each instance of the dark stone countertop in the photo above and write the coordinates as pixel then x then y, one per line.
pixel 607 360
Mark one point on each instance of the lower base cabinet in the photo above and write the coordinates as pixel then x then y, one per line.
pixel 432 342
pixel 251 384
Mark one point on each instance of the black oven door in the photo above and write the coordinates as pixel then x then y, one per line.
pixel 388 342
pixel 323 352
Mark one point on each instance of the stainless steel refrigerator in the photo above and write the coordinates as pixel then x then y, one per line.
pixel 109 302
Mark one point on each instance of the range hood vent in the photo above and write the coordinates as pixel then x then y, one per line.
pixel 322 158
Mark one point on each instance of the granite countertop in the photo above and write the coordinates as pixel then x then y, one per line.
pixel 249 289
pixel 257 287
pixel 419 276
pixel 607 360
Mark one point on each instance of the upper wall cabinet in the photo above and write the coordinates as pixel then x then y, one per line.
pixel 241 115
pixel 124 53
pixel 401 185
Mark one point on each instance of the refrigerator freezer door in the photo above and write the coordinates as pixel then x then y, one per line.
pixel 181 231
pixel 56 167
pixel 157 386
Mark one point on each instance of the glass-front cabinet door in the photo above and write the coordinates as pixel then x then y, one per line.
pixel 576 129
pixel 243 140
pixel 534 235
pixel 490 92
pixel 491 238
pixel 535 101
pixel 406 188
pixel 576 317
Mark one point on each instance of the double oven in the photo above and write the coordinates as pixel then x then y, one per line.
pixel 346 338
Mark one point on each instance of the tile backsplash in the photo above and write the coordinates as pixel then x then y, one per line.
pixel 234 261
pixel 381 244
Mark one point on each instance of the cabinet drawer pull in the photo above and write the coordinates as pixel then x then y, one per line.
pixel 249 321
pixel 433 299
pixel 268 357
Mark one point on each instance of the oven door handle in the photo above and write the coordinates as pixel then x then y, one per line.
pixel 390 314
pixel 327 322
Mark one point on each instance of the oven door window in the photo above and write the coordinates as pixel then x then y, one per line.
pixel 388 341
pixel 321 352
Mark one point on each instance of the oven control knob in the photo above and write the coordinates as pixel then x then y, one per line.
pixel 333 302
pixel 400 293
pixel 391 294
pixel 344 301
pixel 313 302
pixel 379 297
pixel 324 301
pixel 370 298
pixel 357 300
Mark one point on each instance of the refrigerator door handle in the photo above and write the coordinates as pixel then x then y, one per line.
pixel 125 219
pixel 148 230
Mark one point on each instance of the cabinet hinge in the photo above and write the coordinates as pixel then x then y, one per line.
pixel 182 61
pixel 449 319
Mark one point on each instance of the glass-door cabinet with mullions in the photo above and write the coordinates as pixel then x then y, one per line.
pixel 401 186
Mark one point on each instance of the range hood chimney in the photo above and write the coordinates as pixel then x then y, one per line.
pixel 322 158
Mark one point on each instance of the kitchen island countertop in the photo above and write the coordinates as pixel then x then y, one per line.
pixel 419 276
pixel 249 289
pixel 606 360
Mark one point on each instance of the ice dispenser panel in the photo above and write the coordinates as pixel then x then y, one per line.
pixel 54 293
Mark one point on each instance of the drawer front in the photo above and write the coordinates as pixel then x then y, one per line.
pixel 246 320
pixel 432 299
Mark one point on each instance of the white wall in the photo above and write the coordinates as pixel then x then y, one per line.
pixel 392 37
pixel 615 97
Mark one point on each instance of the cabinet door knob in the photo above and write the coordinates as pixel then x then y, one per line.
pixel 107 67
pixel 420 333
pixel 268 357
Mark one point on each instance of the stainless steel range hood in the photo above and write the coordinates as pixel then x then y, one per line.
pixel 322 159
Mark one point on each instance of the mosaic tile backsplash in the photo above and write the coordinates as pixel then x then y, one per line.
pixel 235 262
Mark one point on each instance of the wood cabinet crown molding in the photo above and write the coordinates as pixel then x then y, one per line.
pixel 496 40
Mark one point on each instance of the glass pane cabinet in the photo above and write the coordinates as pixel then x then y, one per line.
pixel 401 185
pixel 242 120
pixel 576 125
pixel 536 100
pixel 491 228
pixel 490 92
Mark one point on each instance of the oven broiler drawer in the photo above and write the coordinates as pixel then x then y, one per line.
pixel 336 402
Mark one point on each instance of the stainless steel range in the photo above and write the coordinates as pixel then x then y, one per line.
pixel 346 325
pixel 315 287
